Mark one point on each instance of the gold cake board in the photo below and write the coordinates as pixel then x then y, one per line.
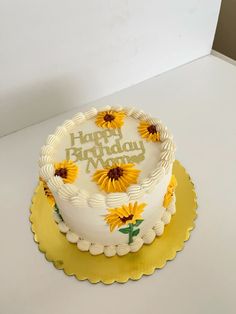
pixel 83 265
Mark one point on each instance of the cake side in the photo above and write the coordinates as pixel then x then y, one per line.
pixel 82 212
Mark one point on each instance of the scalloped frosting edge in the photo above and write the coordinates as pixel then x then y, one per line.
pixel 71 193
pixel 123 248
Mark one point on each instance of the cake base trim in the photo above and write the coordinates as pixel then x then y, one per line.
pixel 120 249
pixel 144 262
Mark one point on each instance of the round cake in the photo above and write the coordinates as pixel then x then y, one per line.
pixel 108 175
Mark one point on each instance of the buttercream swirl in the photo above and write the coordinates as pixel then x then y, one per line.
pixel 60 132
pixel 164 135
pixel 137 113
pixel 168 145
pixel 80 199
pixel 78 118
pixel 68 125
pixel 146 183
pixel 45 160
pixel 166 164
pixel 55 183
pixel 117 108
pixel 47 150
pixel 135 191
pixel 90 113
pixel 97 201
pixel 105 108
pixel 166 155
pixel 46 172
pixel 67 191
pixel 116 199
pixel 158 173
pixel 143 116
pixel 129 111
pixel 156 122
pixel 52 140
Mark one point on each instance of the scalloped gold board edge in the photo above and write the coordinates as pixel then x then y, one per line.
pixel 83 265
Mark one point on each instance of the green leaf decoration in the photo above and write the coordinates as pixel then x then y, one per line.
pixel 135 232
pixel 124 230
pixel 138 222
pixel 57 211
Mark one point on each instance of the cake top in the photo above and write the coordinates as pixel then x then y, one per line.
pixel 113 152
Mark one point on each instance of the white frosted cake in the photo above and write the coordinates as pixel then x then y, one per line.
pixel 108 174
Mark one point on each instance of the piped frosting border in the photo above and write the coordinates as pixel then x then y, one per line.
pixel 120 249
pixel 78 197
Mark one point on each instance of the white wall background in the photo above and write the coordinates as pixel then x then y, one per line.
pixel 55 55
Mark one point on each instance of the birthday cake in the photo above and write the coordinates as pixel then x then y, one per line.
pixel 107 173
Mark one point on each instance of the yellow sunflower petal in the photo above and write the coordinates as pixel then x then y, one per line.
pixel 149 131
pixel 116 178
pixel 170 191
pixel 110 119
pixel 124 215
pixel 48 193
pixel 67 170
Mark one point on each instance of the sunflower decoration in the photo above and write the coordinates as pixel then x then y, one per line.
pixel 126 215
pixel 110 119
pixel 116 178
pixel 67 170
pixel 48 193
pixel 149 131
pixel 170 191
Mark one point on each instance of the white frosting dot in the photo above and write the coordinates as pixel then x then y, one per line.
pixel 123 249
pixel 171 208
pixel 72 237
pixel 149 236
pixel 63 227
pixel 110 250
pixel 159 228
pixel 56 217
pixel 136 245
pixel 166 217
pixel 96 249
pixel 83 245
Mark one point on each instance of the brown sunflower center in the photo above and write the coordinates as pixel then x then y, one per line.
pixel 152 129
pixel 124 219
pixel 108 117
pixel 115 173
pixel 46 191
pixel 61 172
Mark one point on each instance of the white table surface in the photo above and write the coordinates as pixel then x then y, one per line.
pixel 197 101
